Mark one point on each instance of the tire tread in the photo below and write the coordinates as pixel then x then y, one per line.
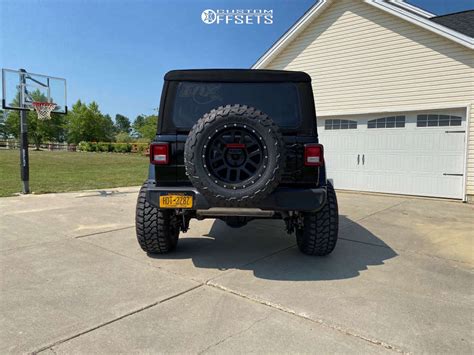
pixel 320 229
pixel 156 229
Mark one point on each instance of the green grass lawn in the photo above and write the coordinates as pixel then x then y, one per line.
pixel 69 171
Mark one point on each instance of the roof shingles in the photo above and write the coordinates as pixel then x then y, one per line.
pixel 462 22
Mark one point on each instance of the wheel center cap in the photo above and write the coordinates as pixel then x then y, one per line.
pixel 235 157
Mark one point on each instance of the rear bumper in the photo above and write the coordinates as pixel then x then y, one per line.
pixel 282 199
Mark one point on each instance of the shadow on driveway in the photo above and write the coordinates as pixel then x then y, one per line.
pixel 264 247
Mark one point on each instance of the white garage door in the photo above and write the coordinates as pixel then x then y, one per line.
pixel 420 153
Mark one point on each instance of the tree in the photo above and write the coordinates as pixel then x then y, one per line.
pixel 87 123
pixel 38 130
pixel 145 126
pixel 3 127
pixel 122 123
pixel 123 137
pixel 109 128
pixel 139 121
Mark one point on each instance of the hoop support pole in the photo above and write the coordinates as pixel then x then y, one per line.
pixel 24 157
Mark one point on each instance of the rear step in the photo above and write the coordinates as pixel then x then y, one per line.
pixel 243 212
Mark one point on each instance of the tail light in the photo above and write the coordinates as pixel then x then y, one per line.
pixel 159 153
pixel 313 155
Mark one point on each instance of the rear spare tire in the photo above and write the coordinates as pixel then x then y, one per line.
pixel 235 155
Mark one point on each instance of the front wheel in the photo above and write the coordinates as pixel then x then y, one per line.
pixel 317 234
pixel 157 229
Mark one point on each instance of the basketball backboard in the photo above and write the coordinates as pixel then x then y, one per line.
pixel 20 89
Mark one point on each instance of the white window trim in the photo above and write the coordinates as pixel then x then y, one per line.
pixel 349 122
pixel 466 152
pixel 385 117
pixel 413 8
pixel 438 126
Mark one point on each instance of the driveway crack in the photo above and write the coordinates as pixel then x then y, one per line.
pixel 320 322
pixel 376 212
pixel 235 334
pixel 103 232
pixel 56 343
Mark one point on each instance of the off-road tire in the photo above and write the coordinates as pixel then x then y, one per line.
pixel 319 233
pixel 157 229
pixel 219 194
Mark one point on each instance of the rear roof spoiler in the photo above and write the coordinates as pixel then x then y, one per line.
pixel 237 75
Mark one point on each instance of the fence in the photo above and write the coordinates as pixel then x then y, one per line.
pixel 15 144
pixel 141 148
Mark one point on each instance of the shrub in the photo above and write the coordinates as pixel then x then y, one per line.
pixel 123 137
pixel 104 147
pixel 142 147
pixel 84 146
pixel 122 147
pixel 87 146
pixel 112 147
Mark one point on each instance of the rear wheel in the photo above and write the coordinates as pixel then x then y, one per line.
pixel 157 229
pixel 318 232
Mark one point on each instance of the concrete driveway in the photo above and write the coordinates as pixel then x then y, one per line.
pixel 73 280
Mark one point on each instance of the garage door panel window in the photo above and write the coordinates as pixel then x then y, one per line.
pixel 438 121
pixel 340 124
pixel 387 122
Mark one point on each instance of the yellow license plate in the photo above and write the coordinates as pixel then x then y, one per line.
pixel 176 201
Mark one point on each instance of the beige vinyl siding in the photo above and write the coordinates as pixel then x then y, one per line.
pixel 363 59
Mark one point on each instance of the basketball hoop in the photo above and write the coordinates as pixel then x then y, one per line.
pixel 44 109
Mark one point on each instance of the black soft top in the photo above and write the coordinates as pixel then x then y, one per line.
pixel 237 75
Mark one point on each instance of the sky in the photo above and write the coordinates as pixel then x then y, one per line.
pixel 116 51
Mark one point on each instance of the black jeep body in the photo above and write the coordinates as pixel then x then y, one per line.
pixel 237 145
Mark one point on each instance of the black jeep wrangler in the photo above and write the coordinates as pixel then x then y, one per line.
pixel 237 145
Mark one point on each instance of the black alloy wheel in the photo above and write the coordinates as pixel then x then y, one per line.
pixel 236 156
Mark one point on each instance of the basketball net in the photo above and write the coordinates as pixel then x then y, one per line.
pixel 44 109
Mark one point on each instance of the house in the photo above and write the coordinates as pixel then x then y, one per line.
pixel 394 92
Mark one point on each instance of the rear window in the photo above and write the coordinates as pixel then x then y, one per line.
pixel 280 101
